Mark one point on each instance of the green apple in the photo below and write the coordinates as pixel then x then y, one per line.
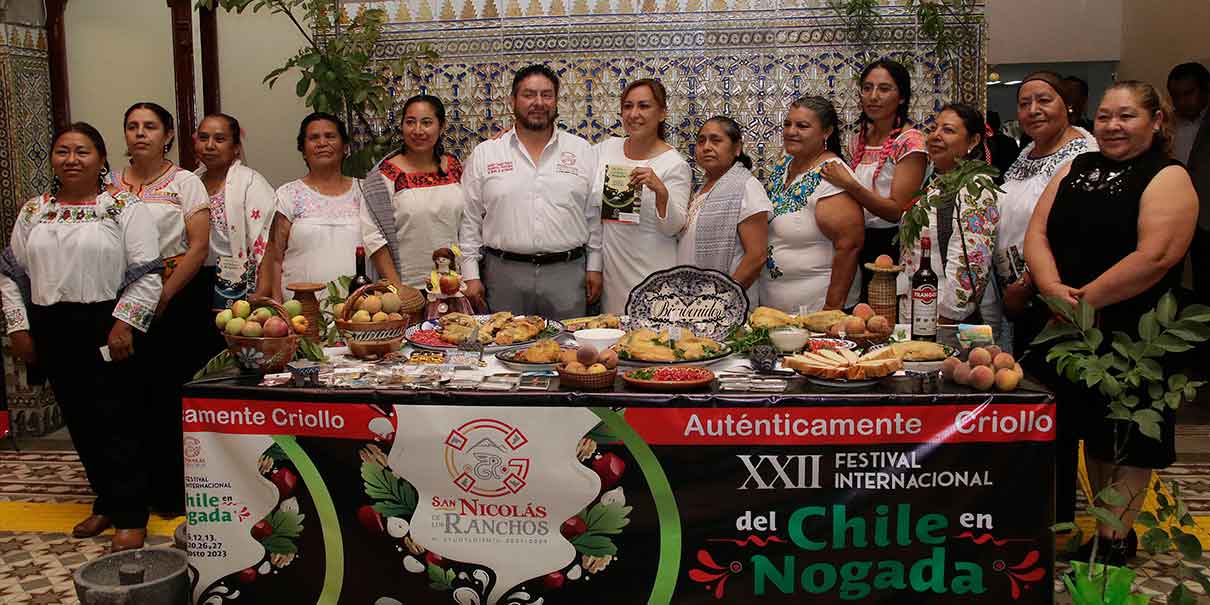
pixel 241 309
pixel 222 318
pixel 251 329
pixel 235 326
pixel 293 307
pixel 261 315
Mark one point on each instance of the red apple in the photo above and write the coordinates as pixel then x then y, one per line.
pixel 370 519
pixel 285 480
pixel 276 327
pixel 449 284
pixel 609 467
pixel 262 530
pixel 553 580
pixel 246 576
pixel 433 558
pixel 573 527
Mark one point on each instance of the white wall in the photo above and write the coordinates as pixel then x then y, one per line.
pixel 250 46
pixel 1056 31
pixel 119 52
pixel 1156 36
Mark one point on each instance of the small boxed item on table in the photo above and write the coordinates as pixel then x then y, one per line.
pixel 304 373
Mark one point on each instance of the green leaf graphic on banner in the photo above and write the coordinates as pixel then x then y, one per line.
pixel 607 518
pixel 286 523
pixel 594 545
pixel 397 498
pixel 279 545
pixel 276 454
pixel 440 579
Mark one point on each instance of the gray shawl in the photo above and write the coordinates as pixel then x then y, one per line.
pixel 717 218
pixel 377 196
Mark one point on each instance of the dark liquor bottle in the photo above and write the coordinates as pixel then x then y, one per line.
pixel 360 279
pixel 924 296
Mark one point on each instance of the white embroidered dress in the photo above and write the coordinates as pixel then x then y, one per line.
pixel 325 232
pixel 171 200
pixel 82 253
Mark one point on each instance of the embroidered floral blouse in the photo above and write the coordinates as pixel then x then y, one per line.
pixel 83 253
pixel 968 269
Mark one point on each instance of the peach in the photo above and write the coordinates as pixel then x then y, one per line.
pixel 597 368
pixel 1003 361
pixel 863 311
pixel 994 350
pixel 394 317
pixel 982 378
pixel 884 262
pixel 879 324
pixel 1006 379
pixel 391 302
pixel 575 367
pixel 609 358
pixel 587 355
pixel 854 325
pixel 979 357
pixel 568 356
pixel 1019 371
pixel 948 366
pixel 962 374
pixel 834 331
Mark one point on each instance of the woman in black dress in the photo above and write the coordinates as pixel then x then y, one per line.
pixel 1139 205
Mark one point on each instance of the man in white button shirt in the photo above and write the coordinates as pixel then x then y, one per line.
pixel 530 234
pixel 1189 87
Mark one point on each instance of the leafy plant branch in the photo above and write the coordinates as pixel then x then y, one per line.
pixel 970 177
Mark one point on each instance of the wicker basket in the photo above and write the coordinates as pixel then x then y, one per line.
pixel 883 297
pixel 264 354
pixel 588 382
pixel 370 340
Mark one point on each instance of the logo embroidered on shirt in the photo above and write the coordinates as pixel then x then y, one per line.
pixel 499 167
pixel 567 163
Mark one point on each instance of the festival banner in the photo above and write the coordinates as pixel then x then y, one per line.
pixel 307 502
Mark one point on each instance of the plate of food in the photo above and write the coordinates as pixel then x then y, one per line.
pixel 843 367
pixel 607 320
pixel 495 332
pixel 646 347
pixel 669 379
pixel 545 354
pixel 922 356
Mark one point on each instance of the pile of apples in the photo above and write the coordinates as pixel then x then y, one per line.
pixel 242 320
pixel 983 369
pixel 374 309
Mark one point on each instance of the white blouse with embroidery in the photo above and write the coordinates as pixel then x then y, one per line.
pixel 82 253
pixel 172 200
pixel 325 231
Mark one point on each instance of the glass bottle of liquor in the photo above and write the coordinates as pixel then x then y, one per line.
pixel 360 279
pixel 924 296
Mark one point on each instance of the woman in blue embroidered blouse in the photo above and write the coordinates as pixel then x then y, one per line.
pixel 817 229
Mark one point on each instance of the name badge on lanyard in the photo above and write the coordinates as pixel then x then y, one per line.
pixel 230 283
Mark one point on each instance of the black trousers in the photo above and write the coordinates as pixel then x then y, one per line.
pixel 877 242
pixel 102 403
pixel 181 340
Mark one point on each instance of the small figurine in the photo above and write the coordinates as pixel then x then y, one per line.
pixel 445 287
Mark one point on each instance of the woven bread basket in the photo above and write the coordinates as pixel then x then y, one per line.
pixel 264 354
pixel 589 382
pixel 371 340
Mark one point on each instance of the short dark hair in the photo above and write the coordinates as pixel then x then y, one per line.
pixel 164 115
pixel 732 130
pixel 315 117
pixel 972 120
pixel 98 142
pixel 535 70
pixel 232 124
pixel 1078 82
pixel 1191 71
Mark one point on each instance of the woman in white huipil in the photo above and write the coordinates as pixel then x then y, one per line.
pixel 318 224
pixel 817 229
pixel 81 273
pixel 639 243
pixel 181 340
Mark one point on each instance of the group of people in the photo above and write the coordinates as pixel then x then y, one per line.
pixel 109 275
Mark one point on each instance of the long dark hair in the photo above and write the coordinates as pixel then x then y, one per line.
pixel 826 112
pixel 98 141
pixel 164 115
pixel 972 120
pixel 439 109
pixel 732 130
pixel 903 81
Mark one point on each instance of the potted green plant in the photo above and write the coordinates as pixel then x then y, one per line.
pixel 337 69
pixel 1128 372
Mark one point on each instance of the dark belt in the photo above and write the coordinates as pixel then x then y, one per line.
pixel 546 258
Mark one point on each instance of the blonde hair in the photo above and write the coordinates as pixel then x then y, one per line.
pixel 1153 102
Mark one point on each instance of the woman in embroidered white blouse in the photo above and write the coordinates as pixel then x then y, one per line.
pixel 80 281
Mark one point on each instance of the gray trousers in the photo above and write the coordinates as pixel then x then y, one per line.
pixel 554 291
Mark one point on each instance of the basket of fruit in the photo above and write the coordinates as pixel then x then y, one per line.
pixel 261 334
pixel 587 369
pixel 863 327
pixel 370 321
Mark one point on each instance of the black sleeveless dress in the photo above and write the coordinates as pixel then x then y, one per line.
pixel 1092 226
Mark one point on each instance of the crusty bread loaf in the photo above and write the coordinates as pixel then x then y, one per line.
pixel 845 365
pixel 917 350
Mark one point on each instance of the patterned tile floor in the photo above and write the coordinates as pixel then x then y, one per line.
pixel 36 567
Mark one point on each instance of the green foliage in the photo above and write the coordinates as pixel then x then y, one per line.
pixel 440 579
pixel 603 520
pixel 223 362
pixel 742 338
pixel 395 496
pixel 1130 374
pixel 337 70
pixel 949 24
pixel 972 178
pixel 286 526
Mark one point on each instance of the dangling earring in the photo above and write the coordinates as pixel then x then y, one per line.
pixel 166 149
pixel 101 178
pixel 55 185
